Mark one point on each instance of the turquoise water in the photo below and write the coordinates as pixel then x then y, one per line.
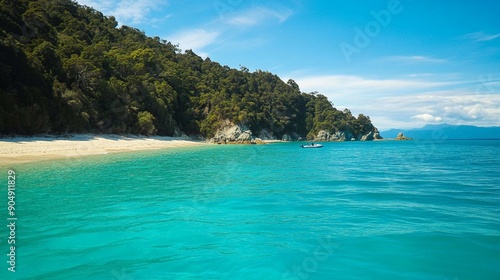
pixel 354 210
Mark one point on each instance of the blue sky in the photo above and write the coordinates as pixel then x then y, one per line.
pixel 403 63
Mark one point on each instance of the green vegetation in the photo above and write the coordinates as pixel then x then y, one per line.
pixel 66 68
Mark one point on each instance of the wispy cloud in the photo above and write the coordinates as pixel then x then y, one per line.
pixel 416 59
pixel 156 22
pixel 195 39
pixel 346 84
pixel 125 11
pixel 258 15
pixel 225 31
pixel 481 36
pixel 419 75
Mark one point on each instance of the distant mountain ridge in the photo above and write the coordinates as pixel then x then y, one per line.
pixel 447 131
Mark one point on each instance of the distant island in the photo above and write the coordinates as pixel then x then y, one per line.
pixel 67 68
pixel 402 137
pixel 447 131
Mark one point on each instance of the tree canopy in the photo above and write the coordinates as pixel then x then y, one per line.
pixel 67 68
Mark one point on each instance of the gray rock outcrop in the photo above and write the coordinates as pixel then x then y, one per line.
pixel 179 134
pixel 324 135
pixel 265 134
pixel 244 135
pixel 231 133
pixel 290 137
pixel 372 135
pixel 402 137
pixel 286 137
pixel 368 136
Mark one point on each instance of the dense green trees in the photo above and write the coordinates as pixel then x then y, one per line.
pixel 68 68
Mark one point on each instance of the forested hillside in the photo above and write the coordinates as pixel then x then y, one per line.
pixel 66 68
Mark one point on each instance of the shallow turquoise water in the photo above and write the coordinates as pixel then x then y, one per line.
pixel 359 210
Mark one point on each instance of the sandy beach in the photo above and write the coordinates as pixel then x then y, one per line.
pixel 28 149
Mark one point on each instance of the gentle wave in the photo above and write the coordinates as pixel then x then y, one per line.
pixel 378 210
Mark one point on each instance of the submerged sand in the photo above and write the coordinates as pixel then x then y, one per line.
pixel 28 149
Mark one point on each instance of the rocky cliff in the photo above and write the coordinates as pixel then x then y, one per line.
pixel 231 133
pixel 372 135
pixel 324 135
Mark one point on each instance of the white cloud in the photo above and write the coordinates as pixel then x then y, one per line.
pixel 481 36
pixel 428 118
pixel 452 107
pixel 416 59
pixel 471 112
pixel 410 102
pixel 258 15
pixel 125 11
pixel 195 39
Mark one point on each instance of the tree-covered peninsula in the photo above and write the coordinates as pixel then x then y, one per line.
pixel 67 68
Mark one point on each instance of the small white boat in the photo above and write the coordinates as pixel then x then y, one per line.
pixel 312 145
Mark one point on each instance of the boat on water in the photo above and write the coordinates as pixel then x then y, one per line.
pixel 312 145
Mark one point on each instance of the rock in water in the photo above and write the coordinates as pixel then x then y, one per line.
pixel 402 137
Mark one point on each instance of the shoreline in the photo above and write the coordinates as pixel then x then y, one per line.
pixel 23 149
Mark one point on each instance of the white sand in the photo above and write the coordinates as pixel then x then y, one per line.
pixel 28 149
